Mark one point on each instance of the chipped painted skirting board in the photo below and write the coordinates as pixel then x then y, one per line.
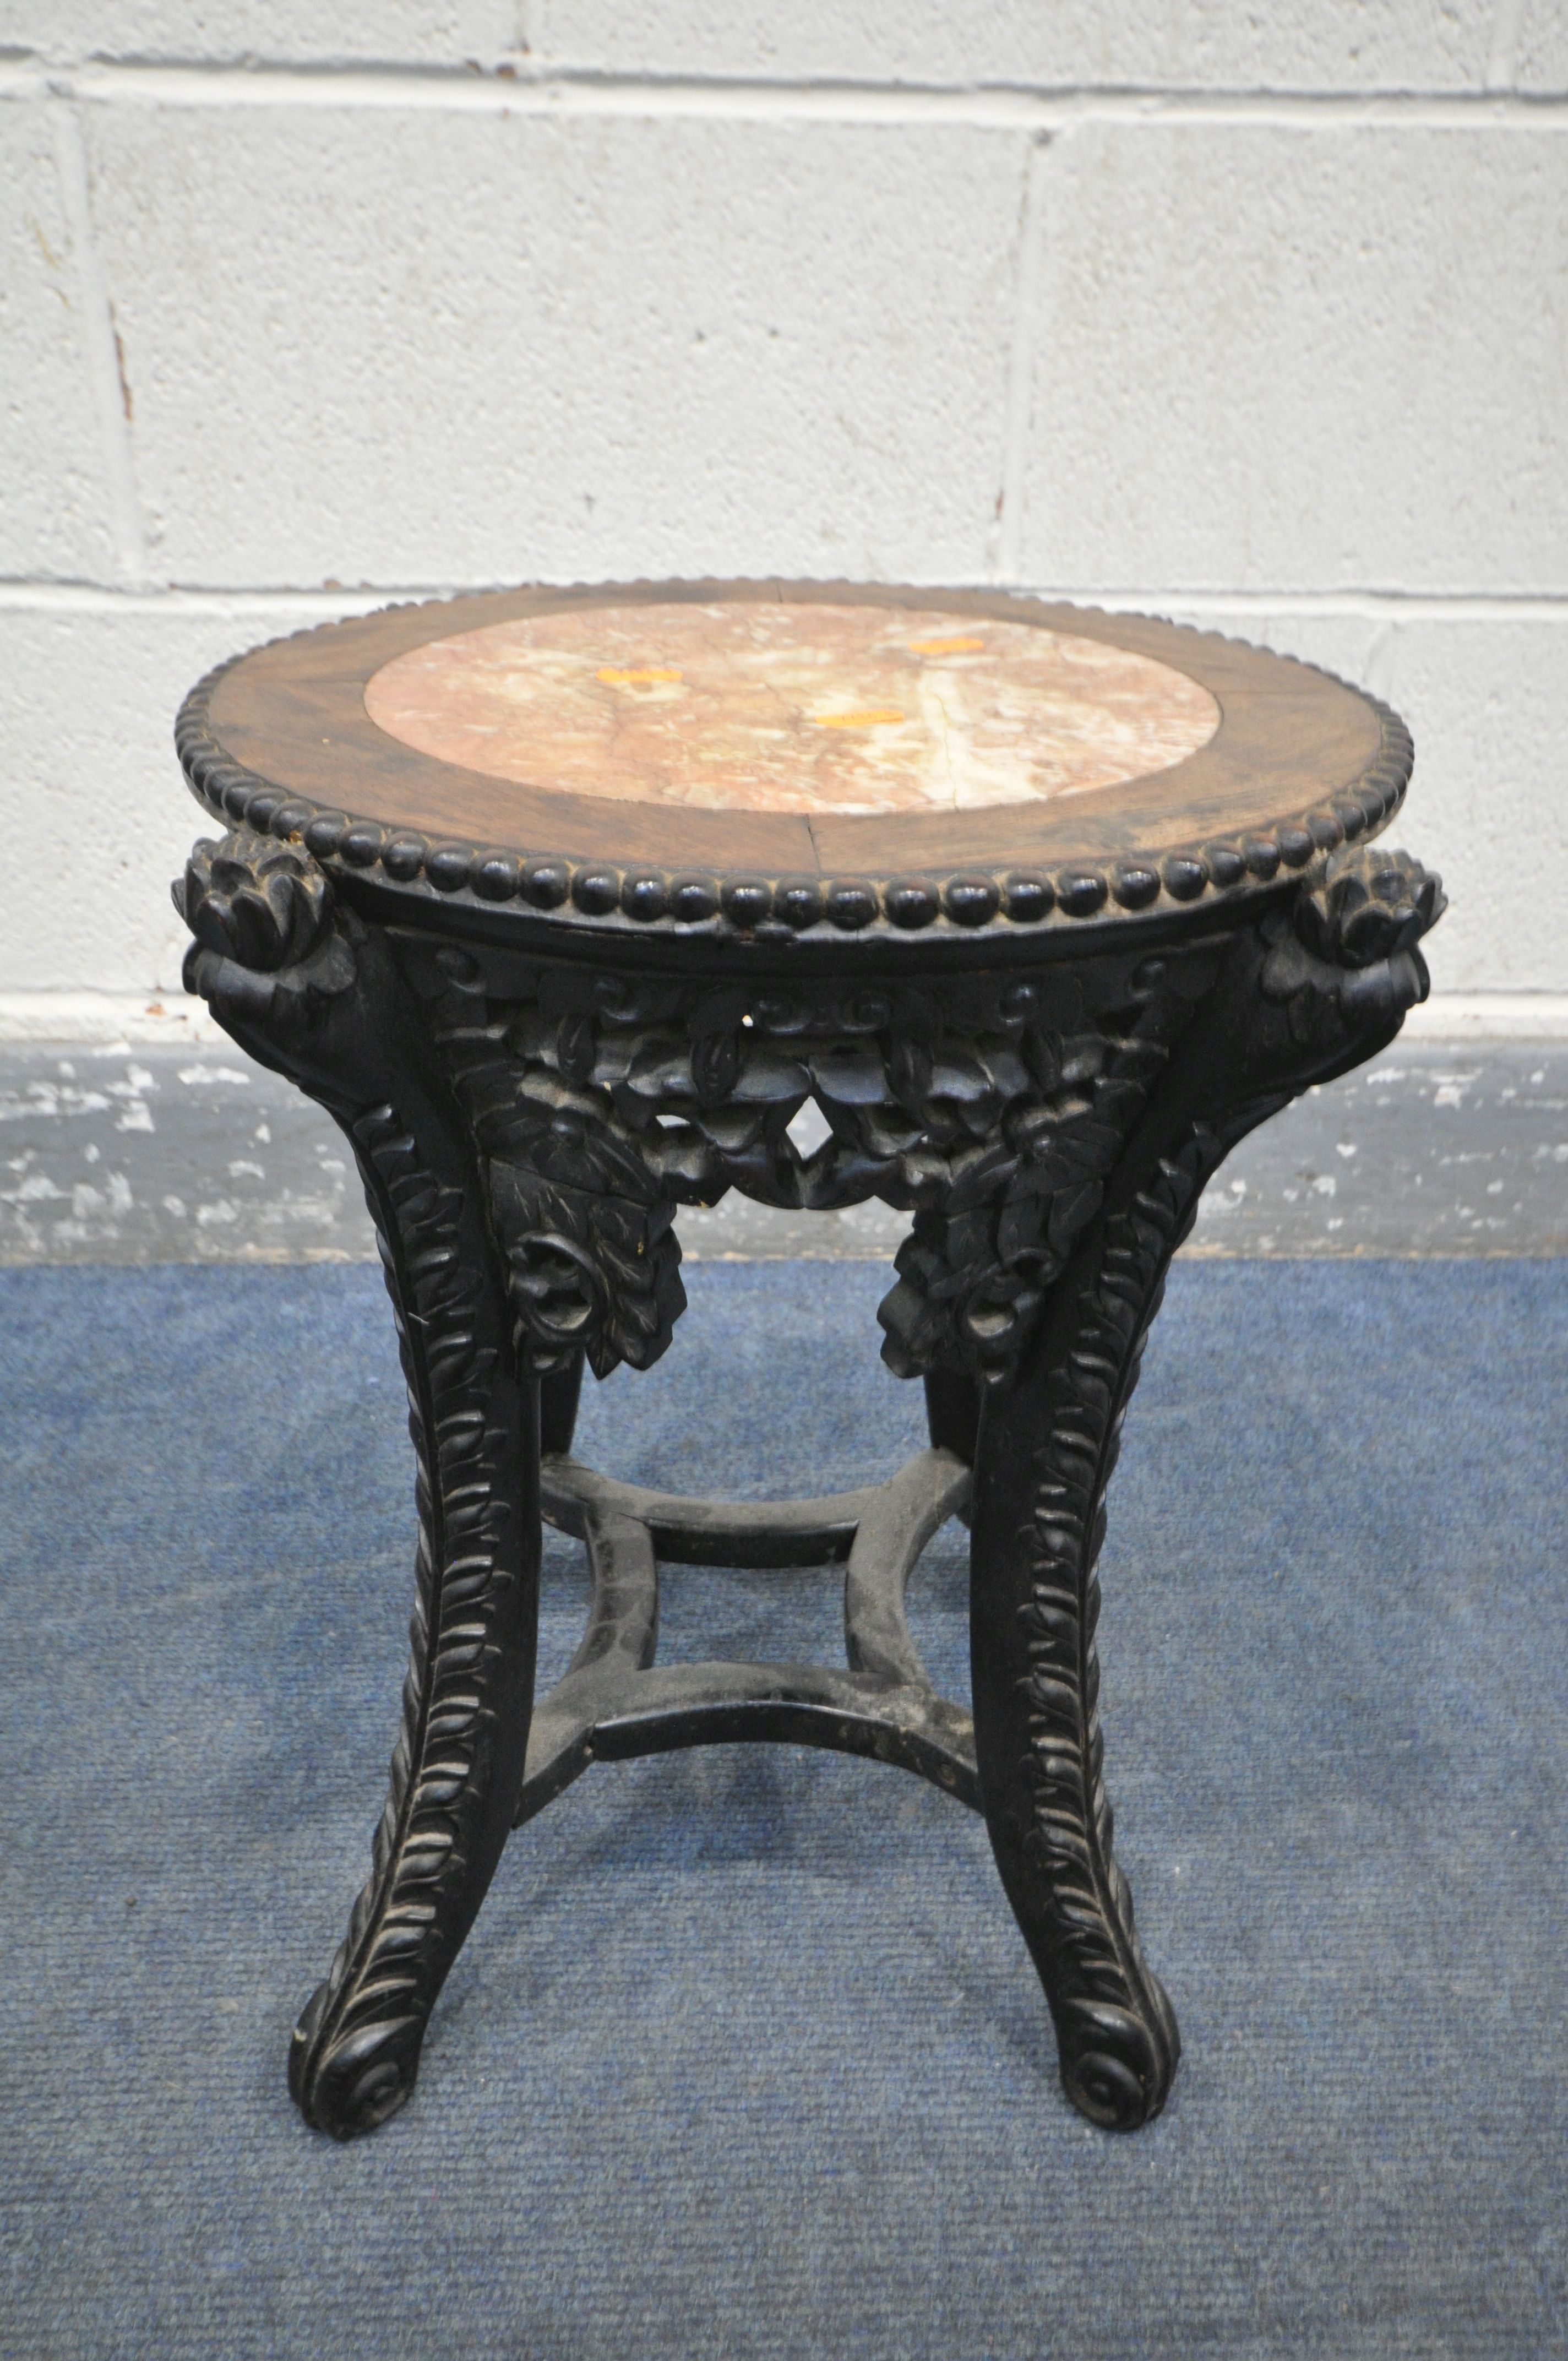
pixel 87 1020
pixel 1488 1017
pixel 135 1150
pixel 168 1153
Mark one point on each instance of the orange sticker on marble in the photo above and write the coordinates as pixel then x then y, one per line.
pixel 874 720
pixel 768 706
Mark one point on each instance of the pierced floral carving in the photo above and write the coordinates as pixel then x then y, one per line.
pixel 990 1106
pixel 588 1272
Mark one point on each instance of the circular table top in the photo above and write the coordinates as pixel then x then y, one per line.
pixel 758 706
pixel 790 761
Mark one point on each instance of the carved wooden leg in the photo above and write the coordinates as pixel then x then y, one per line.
pixel 1298 999
pixel 458 1765
pixel 310 991
pixel 1046 1452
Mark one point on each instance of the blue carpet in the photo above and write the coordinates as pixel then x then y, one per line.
pixel 744 2056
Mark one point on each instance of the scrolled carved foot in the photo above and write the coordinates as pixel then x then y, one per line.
pixel 1112 2068
pixel 361 2080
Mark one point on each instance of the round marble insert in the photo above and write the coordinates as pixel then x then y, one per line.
pixel 769 706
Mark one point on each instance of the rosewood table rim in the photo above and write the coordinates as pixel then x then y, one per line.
pixel 997 897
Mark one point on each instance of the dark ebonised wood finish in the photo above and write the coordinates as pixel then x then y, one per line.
pixel 532 1082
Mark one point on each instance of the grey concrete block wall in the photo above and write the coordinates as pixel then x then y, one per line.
pixel 526 345
pixel 1170 44
pixel 1288 355
pixel 1448 47
pixel 1257 317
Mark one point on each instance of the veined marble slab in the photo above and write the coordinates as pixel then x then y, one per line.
pixel 791 708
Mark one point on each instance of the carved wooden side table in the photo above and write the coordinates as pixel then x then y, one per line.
pixel 565 905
